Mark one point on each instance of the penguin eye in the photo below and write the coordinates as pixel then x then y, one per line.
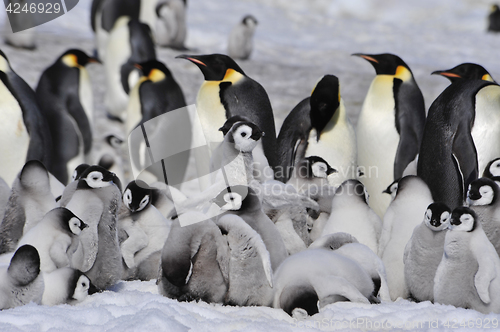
pixel 243 134
pixel 144 202
pixel 84 284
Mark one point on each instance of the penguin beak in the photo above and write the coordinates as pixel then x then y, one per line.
pixel 331 170
pixel 83 225
pixel 445 73
pixel 138 66
pixel 94 60
pixel 366 57
pixel 192 59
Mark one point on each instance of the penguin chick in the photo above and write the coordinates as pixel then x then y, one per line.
pixel 66 285
pixel 424 251
pixel 467 275
pixel 483 197
pixel 21 282
pixel 55 237
pixel 170 25
pixel 467 71
pixel 240 43
pixel 492 169
pixel 392 189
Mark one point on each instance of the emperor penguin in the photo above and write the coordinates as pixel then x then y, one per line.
pixel 30 199
pixel 24 133
pixel 227 91
pixel 107 152
pixel 390 126
pixel 145 230
pixel 402 216
pixel 424 251
pixel 351 214
pixel 64 94
pixel 96 199
pixel 319 127
pixel 21 282
pixel 130 42
pixel 467 71
pixel 483 197
pixel 195 262
pixel 467 275
pixel 347 245
pixel 245 203
pixel 170 27
pixel 55 238
pixel 240 44
pixel 66 286
pixel 494 19
pixel 461 125
pixel 309 280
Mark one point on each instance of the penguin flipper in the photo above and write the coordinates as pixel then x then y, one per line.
pixel 465 155
pixel 75 109
pixel 485 254
pixel 336 288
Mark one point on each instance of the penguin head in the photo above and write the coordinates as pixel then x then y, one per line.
pixel 79 286
pixel 230 122
pixel 137 196
pixel 314 166
pixel 24 266
pixel 245 135
pixel 154 71
pixel 77 173
pixel 4 63
pixel 388 64
pixel 68 220
pixel 236 198
pixel 353 188
pixel 482 191
pixel 76 58
pixel 392 189
pixel 468 71
pixel 463 219
pixel 97 177
pixel 249 21
pixel 492 169
pixel 494 8
pixel 437 216
pixel 34 176
pixel 325 100
pixel 213 66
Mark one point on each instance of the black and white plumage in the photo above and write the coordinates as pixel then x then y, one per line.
pixel 240 44
pixel 66 285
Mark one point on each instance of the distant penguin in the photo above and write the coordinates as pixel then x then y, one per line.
pixel 227 91
pixel 240 44
pixel 249 208
pixel 66 285
pixel 390 126
pixel 170 27
pixel 130 42
pixel 467 275
pixel 96 199
pixel 195 262
pixel 494 19
pixel 424 251
pixel 468 71
pixel 22 281
pixel 146 230
pixel 29 201
pixel 313 278
pixel 55 237
pixel 64 94
pixel 319 128
pixel 461 125
pixel 483 197
pixel 25 134
pixel 402 216
pixel 351 214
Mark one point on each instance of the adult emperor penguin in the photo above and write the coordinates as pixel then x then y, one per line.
pixel 22 282
pixel 249 208
pixel 351 214
pixel 96 199
pixel 226 92
pixel 494 19
pixel 55 237
pixel 483 197
pixel 66 285
pixel 319 126
pixel 170 27
pixel 24 133
pixel 468 71
pixel 390 126
pixel 467 275
pixel 402 216
pixel 64 94
pixel 461 125
pixel 424 251
pixel 240 44
pixel 30 199
pixel 195 262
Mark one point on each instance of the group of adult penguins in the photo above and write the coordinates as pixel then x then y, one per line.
pixel 405 205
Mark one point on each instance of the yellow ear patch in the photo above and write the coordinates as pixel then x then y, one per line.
pixel 156 75
pixel 487 77
pixel 403 73
pixel 4 65
pixel 70 60
pixel 232 76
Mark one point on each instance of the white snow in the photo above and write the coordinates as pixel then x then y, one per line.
pixel 296 42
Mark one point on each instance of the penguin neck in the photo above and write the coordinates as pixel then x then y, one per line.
pixel 232 76
pixel 339 116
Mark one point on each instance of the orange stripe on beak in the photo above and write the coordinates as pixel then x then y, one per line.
pixel 196 61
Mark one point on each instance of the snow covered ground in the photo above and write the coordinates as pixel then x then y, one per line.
pixel 296 43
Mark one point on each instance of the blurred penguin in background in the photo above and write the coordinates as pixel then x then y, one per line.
pixel 240 44
pixel 170 27
pixel 494 19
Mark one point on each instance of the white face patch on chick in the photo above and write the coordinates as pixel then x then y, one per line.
pixel 95 180
pixel 243 140
pixel 233 202
pixel 487 195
